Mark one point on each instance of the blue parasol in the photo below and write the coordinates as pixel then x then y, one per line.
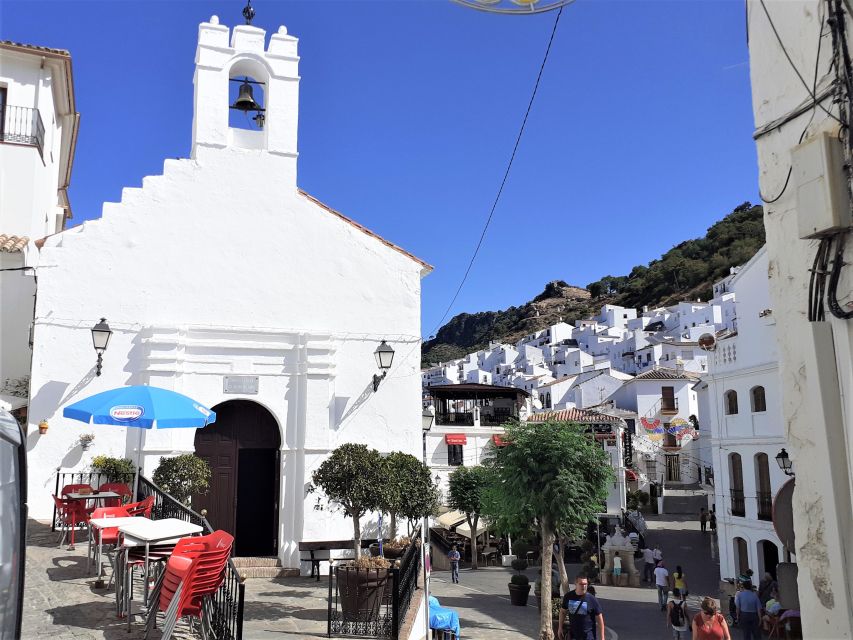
pixel 143 407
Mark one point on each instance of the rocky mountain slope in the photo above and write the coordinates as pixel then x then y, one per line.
pixel 685 272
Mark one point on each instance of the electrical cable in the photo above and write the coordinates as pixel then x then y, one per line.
pixel 793 66
pixel 506 174
pixel 834 276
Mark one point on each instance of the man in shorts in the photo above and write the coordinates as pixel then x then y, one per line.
pixel 586 621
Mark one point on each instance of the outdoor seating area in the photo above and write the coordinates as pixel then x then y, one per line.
pixel 151 562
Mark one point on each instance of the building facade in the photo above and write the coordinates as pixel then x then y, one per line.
pixel 38 134
pixel 802 174
pixel 224 281
pixel 740 401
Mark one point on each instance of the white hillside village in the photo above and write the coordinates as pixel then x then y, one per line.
pixel 219 414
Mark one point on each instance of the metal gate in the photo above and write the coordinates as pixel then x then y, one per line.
pixel 673 468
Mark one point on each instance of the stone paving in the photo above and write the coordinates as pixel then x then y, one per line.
pixel 60 601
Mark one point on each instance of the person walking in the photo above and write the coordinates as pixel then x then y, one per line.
pixel 703 519
pixel 679 581
pixel 677 616
pixel 709 623
pixel 712 520
pixel 649 564
pixel 454 558
pixel 748 612
pixel 766 588
pixel 662 583
pixel 617 567
pixel 586 620
pixel 658 554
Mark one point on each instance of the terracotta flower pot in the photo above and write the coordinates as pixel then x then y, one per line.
pixel 43 427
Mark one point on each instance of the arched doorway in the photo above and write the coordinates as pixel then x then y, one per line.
pixel 768 557
pixel 242 448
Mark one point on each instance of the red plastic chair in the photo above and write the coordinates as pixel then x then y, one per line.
pixel 195 571
pixel 120 488
pixel 71 514
pixel 75 488
pixel 109 536
pixel 141 508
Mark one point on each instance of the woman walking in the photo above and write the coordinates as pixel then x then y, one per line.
pixel 709 624
pixel 680 581
pixel 677 616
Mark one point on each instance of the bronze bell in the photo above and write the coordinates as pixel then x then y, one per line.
pixel 245 100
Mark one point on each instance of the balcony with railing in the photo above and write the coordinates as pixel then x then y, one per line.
pixel 451 418
pixel 738 503
pixel 22 125
pixel 765 505
pixel 669 406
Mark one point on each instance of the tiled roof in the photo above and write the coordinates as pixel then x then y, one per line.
pixel 572 415
pixel 12 244
pixel 8 44
pixel 667 374
pixel 426 266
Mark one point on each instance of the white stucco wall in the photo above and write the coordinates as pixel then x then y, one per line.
pixel 28 179
pixel 815 359
pixel 221 267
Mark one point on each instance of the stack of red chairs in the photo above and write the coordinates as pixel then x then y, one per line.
pixel 71 514
pixel 120 488
pixel 195 570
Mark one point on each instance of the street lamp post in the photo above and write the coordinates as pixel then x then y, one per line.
pixel 101 334
pixel 427 419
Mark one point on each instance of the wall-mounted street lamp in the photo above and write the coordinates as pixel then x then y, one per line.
pixel 101 333
pixel 384 357
pixel 784 462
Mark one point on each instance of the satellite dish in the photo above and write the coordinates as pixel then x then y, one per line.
pixel 707 342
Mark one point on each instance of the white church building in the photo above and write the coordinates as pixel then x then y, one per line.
pixel 222 280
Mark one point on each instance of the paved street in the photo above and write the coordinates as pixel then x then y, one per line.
pixel 482 597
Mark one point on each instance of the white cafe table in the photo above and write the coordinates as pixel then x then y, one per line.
pixel 99 524
pixel 101 495
pixel 145 532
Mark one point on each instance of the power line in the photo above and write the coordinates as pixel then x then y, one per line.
pixel 506 174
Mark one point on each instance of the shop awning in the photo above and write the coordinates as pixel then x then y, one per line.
pixel 456 438
pixel 631 475
pixel 499 442
pixel 464 530
pixel 450 519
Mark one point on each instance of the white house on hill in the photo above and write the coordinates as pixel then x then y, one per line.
pixel 224 281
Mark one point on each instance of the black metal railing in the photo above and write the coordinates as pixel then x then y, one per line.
pixel 669 405
pixel 373 603
pixel 464 419
pixel 225 607
pixel 22 125
pixel 495 420
pixel 738 503
pixel 765 505
pixel 94 479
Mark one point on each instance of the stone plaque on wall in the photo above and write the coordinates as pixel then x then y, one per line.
pixel 244 385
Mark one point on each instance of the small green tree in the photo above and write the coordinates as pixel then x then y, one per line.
pixel 467 486
pixel 551 473
pixel 353 479
pixel 408 489
pixel 182 476
pixel 116 469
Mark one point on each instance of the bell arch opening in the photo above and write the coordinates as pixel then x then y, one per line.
pixel 243 450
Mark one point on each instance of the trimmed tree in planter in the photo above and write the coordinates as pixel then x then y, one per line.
pixel 182 476
pixel 408 489
pixel 115 469
pixel 519 584
pixel 352 479
pixel 551 473
pixel 467 485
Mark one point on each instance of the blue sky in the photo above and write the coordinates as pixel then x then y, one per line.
pixel 640 136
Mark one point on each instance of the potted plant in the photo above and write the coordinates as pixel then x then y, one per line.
pixel 182 476
pixel 43 425
pixel 519 584
pixel 86 440
pixel 556 603
pixel 362 586
pixel 115 469
pixel 395 548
